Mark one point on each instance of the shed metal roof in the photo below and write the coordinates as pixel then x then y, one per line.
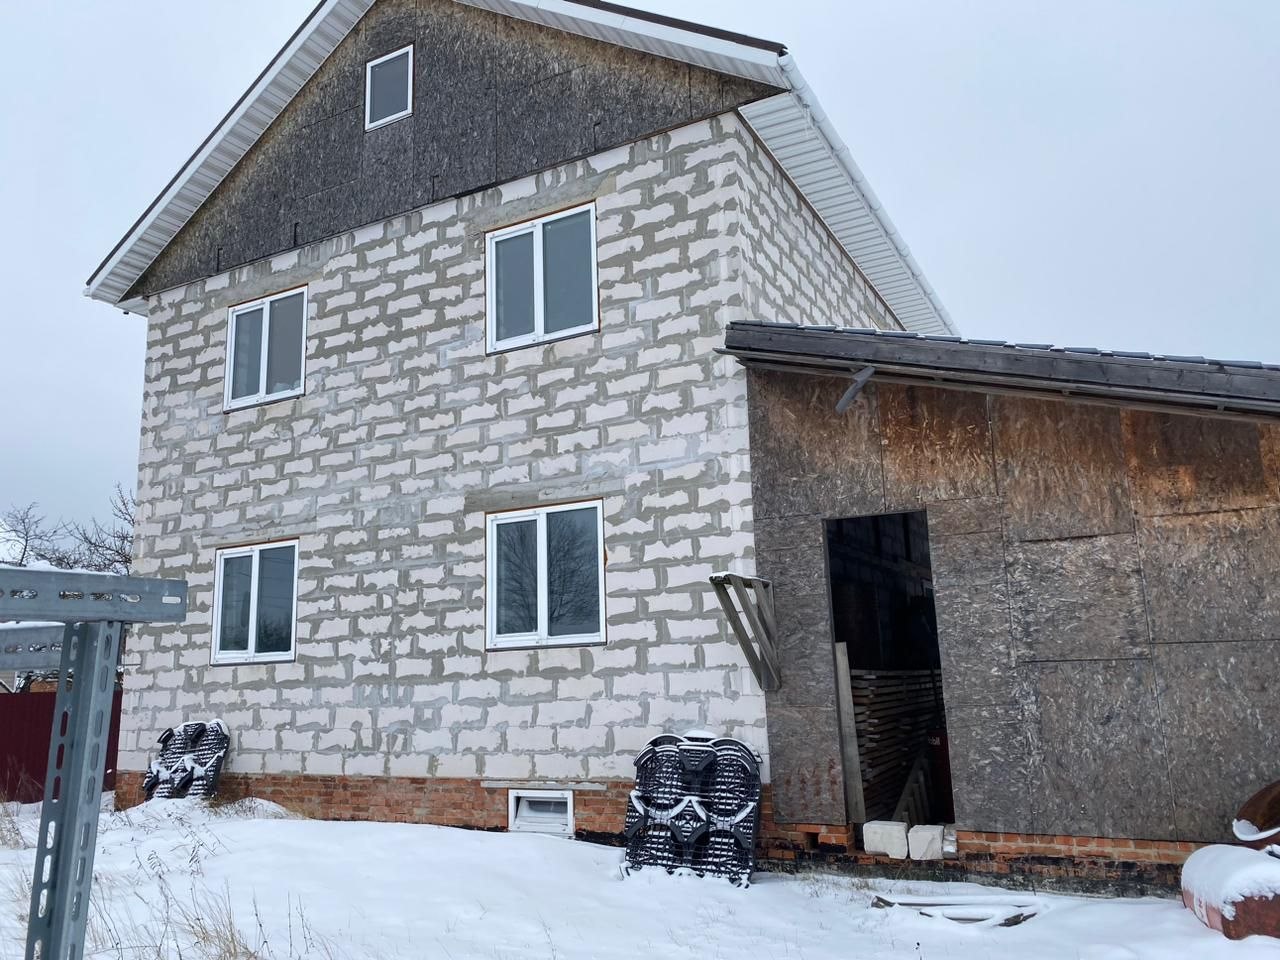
pixel 1246 388
pixel 792 125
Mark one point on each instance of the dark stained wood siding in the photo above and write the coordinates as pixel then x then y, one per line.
pixel 1107 588
pixel 495 99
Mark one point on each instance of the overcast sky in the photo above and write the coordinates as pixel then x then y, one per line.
pixel 1084 172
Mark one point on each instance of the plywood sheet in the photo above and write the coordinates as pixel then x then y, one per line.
pixel 1077 599
pixel 1221 706
pixel 967 560
pixel 974 643
pixel 1213 576
pixel 495 98
pixel 1269 434
pixel 937 445
pixel 990 767
pixel 807 459
pixel 1061 468
pixel 1102 768
pixel 804 731
pixel 1184 464
pixel 807 771
pixel 948 518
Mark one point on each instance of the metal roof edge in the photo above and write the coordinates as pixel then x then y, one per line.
pixel 684 40
pixel 1211 387
pixel 279 65
pixel 931 315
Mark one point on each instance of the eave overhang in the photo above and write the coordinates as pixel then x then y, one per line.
pixel 1219 388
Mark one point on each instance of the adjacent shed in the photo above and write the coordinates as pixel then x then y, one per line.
pixel 1060 567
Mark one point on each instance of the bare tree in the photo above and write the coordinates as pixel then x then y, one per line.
pixel 26 536
pixel 108 547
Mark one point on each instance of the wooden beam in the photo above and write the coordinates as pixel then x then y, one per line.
pixel 755 636
pixel 854 801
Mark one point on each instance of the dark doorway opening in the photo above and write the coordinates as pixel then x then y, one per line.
pixel 892 715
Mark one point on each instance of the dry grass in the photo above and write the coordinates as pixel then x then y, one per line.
pixel 161 909
pixel 11 837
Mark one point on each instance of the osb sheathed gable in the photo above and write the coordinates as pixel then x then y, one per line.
pixel 495 99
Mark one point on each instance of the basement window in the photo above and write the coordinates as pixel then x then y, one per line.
pixel 541 279
pixel 545 577
pixel 388 88
pixel 541 811
pixel 255 603
pixel 266 344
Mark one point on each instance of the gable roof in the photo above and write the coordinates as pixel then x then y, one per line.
pixel 792 125
pixel 1225 388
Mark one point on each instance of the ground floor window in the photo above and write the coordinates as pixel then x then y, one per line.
pixel 255 603
pixel 540 811
pixel 546 576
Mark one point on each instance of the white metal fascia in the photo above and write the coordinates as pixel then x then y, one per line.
pixel 809 149
pixel 659 39
pixel 292 67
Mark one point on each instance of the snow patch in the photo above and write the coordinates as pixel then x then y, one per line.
pixel 299 888
pixel 1248 832
pixel 1222 876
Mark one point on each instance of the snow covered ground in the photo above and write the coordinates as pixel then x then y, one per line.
pixel 174 879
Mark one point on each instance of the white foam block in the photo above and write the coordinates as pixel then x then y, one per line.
pixel 925 842
pixel 887 837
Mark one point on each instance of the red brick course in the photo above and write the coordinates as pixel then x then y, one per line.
pixel 599 815
pixel 444 801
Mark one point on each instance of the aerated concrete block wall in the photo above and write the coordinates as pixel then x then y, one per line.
pixel 408 433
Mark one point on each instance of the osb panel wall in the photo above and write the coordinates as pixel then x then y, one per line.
pixel 1108 599
pixel 495 98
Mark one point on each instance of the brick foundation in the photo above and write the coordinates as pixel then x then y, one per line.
pixel 445 801
pixel 1098 864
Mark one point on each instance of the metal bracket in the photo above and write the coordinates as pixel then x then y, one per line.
pixel 69 597
pixel 37 646
pixel 760 628
pixel 859 381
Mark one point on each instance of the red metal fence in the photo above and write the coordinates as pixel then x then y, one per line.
pixel 26 721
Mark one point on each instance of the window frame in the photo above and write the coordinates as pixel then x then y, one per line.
pixel 541 637
pixel 219 657
pixel 261 396
pixel 516 825
pixel 538 334
pixel 370 124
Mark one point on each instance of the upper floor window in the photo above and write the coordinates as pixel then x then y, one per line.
pixel 545 584
pixel 388 88
pixel 255 603
pixel 541 279
pixel 266 341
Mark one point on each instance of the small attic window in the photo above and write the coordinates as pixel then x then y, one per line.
pixel 541 811
pixel 388 88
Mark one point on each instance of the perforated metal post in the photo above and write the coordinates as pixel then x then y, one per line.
pixel 73 791
pixel 94 610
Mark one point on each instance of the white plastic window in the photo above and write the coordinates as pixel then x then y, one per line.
pixel 266 349
pixel 540 279
pixel 546 576
pixel 255 603
pixel 388 88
